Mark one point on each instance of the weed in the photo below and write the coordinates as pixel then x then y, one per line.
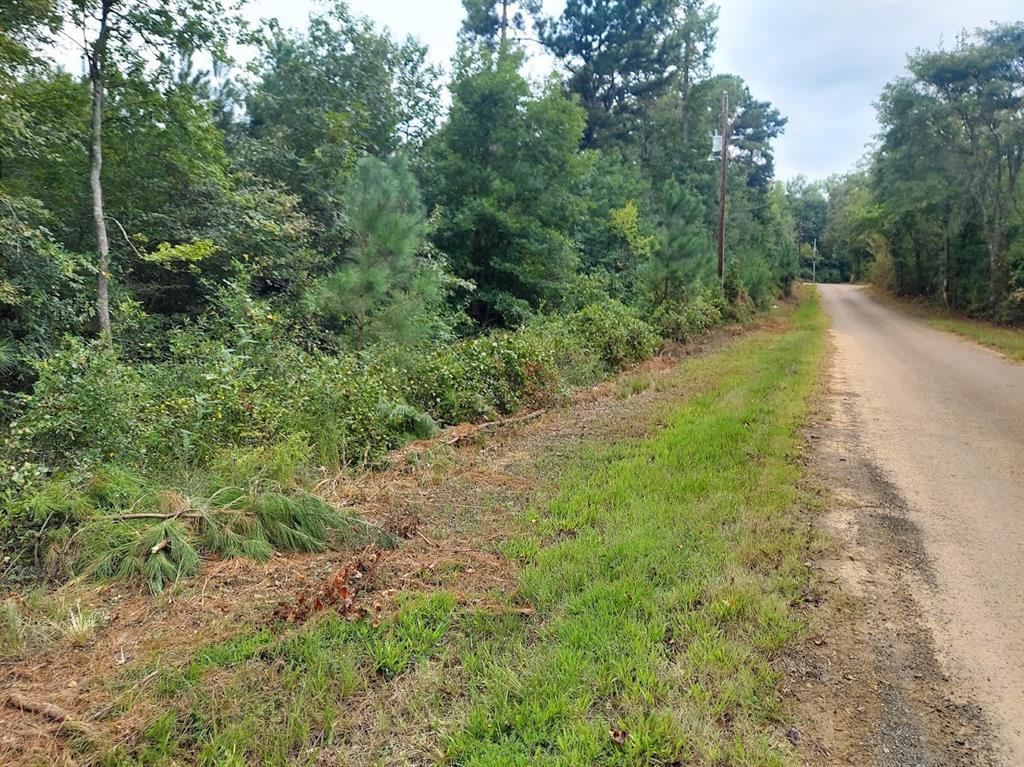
pixel 634 385
pixel 80 625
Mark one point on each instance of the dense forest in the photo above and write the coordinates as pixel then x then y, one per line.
pixel 936 208
pixel 222 279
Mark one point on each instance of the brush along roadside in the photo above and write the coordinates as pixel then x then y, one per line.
pixel 379 687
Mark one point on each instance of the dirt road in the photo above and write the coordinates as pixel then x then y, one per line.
pixel 938 425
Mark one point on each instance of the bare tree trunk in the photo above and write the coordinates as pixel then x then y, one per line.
pixel 97 61
pixel 995 273
pixel 687 65
pixel 504 27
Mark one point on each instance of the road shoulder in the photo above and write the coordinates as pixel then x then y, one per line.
pixel 869 687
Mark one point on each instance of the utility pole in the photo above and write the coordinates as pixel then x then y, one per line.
pixel 721 186
pixel 814 262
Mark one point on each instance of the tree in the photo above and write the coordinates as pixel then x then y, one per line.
pixel 621 55
pixel 810 208
pixel 494 22
pixel 341 90
pixel 383 292
pixel 682 253
pixel 24 28
pixel 852 224
pixel 503 174
pixel 698 32
pixel 980 87
pixel 120 34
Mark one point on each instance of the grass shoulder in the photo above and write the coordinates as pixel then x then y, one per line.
pixel 1009 341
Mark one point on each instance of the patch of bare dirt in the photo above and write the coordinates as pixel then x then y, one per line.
pixel 869 688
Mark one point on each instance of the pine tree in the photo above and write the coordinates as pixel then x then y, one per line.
pixel 383 291
pixel 683 250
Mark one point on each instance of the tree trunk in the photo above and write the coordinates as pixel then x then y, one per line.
pixel 97 62
pixel 946 297
pixel 504 27
pixel 687 64
pixel 995 272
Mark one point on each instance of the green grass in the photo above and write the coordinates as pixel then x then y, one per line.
pixel 1009 341
pixel 661 575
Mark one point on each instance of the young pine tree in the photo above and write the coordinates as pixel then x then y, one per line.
pixel 383 290
pixel 682 253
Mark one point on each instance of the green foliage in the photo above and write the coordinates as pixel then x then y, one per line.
pixel 732 286
pixel 482 377
pixel 502 172
pixel 682 254
pixel 39 287
pixel 87 404
pixel 324 98
pixel 113 523
pixel 935 211
pixel 696 317
pixel 614 334
pixel 621 57
pixel 494 23
pixel 383 292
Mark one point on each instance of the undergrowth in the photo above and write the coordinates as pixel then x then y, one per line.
pixel 129 470
pixel 661 581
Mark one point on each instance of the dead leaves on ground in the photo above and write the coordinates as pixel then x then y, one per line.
pixel 336 592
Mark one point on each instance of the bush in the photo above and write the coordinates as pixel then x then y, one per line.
pixel 87 406
pixel 684 323
pixel 481 377
pixel 614 333
pixel 1011 309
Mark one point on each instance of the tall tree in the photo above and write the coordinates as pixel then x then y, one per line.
pixel 127 34
pixel 698 32
pixel 494 23
pixel 621 55
pixel 503 175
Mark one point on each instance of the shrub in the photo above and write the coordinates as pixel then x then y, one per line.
pixel 482 377
pixel 684 323
pixel 87 406
pixel 614 333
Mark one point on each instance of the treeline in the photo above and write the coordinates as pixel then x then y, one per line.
pixel 937 209
pixel 214 278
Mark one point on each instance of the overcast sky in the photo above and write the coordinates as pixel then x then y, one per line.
pixel 822 62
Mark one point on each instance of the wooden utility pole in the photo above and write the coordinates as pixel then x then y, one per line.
pixel 721 186
pixel 814 262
